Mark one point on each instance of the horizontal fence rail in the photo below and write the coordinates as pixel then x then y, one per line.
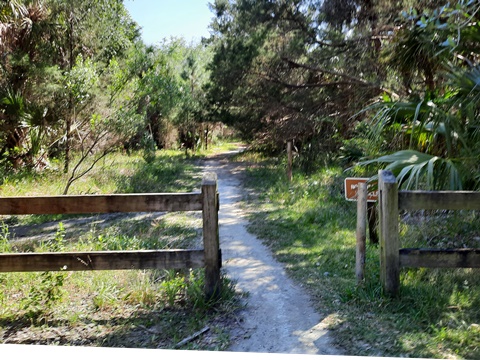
pixel 440 258
pixel 438 200
pixel 102 260
pixel 89 204
pixel 392 258
pixel 206 201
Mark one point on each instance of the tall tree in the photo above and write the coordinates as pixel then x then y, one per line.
pixel 295 69
pixel 434 125
pixel 98 29
pixel 26 74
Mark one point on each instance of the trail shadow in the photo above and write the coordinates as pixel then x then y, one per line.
pixel 140 329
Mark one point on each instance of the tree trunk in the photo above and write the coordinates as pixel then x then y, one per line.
pixel 67 146
pixel 71 106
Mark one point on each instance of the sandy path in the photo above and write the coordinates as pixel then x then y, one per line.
pixel 279 317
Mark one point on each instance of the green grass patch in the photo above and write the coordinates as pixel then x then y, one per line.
pixel 118 173
pixel 131 308
pixel 310 227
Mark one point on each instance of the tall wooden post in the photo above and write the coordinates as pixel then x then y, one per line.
pixel 361 232
pixel 211 242
pixel 290 160
pixel 389 243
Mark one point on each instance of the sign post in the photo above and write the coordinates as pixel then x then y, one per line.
pixel 351 189
pixel 356 189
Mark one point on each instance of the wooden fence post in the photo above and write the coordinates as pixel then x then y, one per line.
pixel 361 232
pixel 211 242
pixel 290 160
pixel 389 242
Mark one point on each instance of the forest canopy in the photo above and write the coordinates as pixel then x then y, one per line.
pixel 362 83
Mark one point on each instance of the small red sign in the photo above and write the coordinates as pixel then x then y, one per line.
pixel 351 188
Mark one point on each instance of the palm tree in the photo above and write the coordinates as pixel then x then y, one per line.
pixel 437 129
pixel 21 33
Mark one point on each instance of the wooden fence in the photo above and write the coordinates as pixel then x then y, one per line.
pixel 206 201
pixel 392 258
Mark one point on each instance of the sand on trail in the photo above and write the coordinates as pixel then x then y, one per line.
pixel 278 316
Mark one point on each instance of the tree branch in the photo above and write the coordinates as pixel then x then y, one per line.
pixel 74 176
pixel 351 79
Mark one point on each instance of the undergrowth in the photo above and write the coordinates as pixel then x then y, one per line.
pixel 310 227
pixel 127 308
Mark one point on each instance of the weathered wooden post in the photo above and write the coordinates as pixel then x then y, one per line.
pixel 389 243
pixel 211 242
pixel 290 160
pixel 361 232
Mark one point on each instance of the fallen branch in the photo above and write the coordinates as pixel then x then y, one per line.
pixel 192 337
pixel 154 332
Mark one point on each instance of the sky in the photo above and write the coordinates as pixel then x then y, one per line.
pixel 165 18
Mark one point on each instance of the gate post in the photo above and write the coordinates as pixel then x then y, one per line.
pixel 211 241
pixel 389 243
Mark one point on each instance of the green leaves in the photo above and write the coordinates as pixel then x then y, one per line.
pixel 414 169
pixel 81 80
pixel 432 132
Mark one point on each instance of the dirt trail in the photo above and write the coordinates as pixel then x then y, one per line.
pixel 279 317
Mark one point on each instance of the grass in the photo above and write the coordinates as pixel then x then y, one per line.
pixel 310 228
pixel 149 308
pixel 116 173
pixel 308 225
pixel 170 170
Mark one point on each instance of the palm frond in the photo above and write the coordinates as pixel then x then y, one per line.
pixel 415 170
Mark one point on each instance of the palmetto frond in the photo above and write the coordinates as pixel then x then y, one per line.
pixel 17 21
pixel 13 106
pixel 467 92
pixel 10 12
pixel 416 170
pixel 11 9
pixel 424 123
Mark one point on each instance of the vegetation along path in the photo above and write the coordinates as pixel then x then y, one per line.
pixel 278 316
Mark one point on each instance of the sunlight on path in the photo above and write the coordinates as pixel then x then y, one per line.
pixel 278 317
